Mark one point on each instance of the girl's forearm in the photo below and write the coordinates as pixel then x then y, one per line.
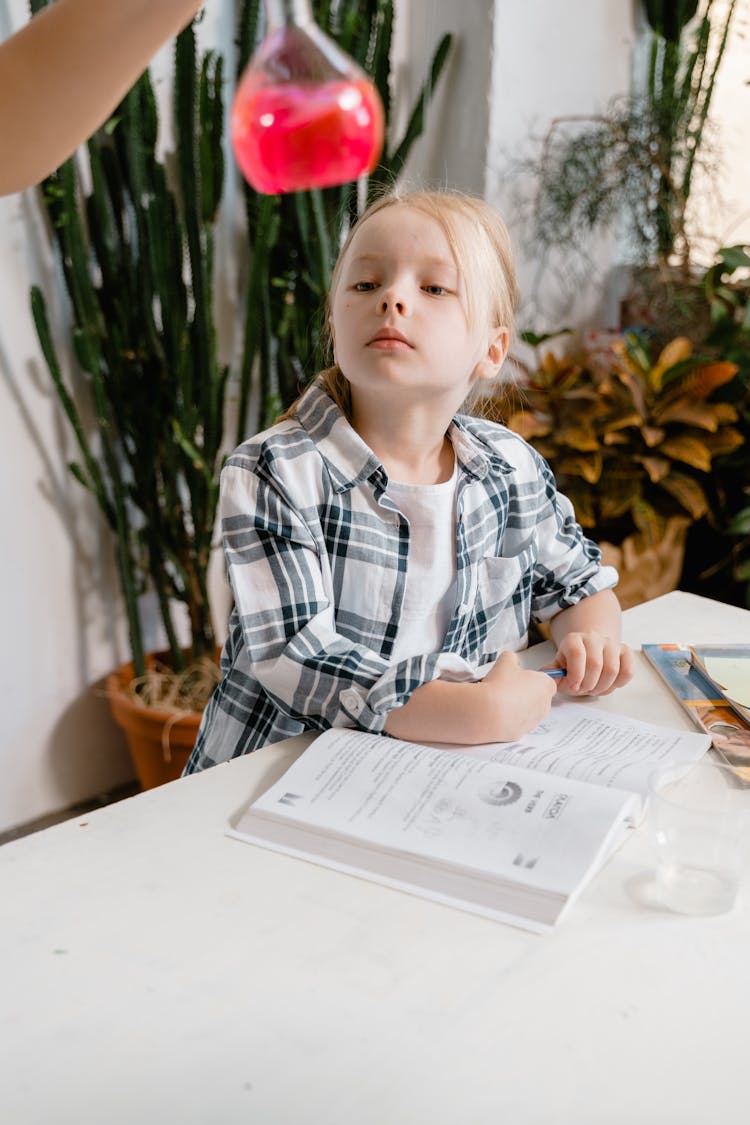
pixel 599 613
pixel 440 711
pixel 502 707
pixel 64 72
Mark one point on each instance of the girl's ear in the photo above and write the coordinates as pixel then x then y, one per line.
pixel 497 349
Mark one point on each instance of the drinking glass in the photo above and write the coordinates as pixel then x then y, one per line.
pixel 698 819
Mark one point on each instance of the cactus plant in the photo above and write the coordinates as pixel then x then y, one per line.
pixel 136 252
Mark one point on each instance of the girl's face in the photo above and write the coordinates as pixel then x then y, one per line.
pixel 399 315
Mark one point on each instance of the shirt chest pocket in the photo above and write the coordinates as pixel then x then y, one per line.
pixel 503 601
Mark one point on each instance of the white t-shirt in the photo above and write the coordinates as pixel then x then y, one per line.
pixel 430 593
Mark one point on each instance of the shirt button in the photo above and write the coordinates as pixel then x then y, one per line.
pixel 352 700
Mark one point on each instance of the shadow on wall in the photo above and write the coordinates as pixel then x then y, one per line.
pixel 86 750
pixel 82 751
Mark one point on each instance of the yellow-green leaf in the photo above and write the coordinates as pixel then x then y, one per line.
pixel 581 438
pixel 725 441
pixel 724 412
pixel 676 350
pixel 649 522
pixel 692 450
pixel 686 492
pixel 589 468
pixel 653 436
pixel 622 421
pixel 617 497
pixel 528 425
pixel 689 412
pixel 656 467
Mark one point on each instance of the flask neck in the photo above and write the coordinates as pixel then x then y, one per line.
pixel 284 13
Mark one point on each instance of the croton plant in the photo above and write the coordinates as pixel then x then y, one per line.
pixel 630 437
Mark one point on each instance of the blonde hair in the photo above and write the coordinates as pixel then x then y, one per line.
pixel 480 244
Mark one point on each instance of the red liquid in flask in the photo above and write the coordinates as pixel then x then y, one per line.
pixel 304 115
pixel 295 136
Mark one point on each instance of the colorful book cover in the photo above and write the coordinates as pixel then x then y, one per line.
pixel 708 709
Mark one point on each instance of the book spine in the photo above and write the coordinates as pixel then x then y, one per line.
pixel 656 658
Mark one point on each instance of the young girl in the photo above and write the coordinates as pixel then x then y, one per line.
pixel 387 554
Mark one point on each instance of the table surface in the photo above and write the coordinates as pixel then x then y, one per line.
pixel 152 969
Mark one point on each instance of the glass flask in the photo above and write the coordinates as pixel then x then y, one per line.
pixel 304 114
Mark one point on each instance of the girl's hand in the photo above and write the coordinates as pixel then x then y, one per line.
pixel 514 700
pixel 504 706
pixel 595 664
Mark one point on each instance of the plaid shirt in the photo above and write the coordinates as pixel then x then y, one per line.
pixel 317 558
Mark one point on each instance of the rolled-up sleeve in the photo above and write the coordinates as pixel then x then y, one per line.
pixel 283 598
pixel 568 565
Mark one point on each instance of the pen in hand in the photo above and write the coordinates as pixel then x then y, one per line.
pixel 555 673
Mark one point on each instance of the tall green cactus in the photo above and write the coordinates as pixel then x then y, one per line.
pixel 137 256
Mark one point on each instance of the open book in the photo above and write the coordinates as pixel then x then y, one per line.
pixel 511 831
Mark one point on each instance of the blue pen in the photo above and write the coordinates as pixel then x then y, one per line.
pixel 555 673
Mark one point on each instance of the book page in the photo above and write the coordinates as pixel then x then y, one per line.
pixel 578 741
pixel 455 811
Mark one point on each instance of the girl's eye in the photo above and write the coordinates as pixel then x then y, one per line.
pixel 364 286
pixel 435 290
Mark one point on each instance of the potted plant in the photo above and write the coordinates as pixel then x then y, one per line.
pixel 631 435
pixel 149 413
pixel 633 166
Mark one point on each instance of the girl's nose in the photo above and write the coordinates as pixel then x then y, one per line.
pixel 392 301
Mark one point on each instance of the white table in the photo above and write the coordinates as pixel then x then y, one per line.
pixel 154 971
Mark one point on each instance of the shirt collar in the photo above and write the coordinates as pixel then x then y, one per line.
pixel 350 461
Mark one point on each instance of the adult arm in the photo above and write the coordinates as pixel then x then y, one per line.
pixel 63 73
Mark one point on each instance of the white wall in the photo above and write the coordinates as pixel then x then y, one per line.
pixel 57 743
pixel 453 150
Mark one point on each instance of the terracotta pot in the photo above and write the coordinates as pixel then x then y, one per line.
pixel 159 742
pixel 647 572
